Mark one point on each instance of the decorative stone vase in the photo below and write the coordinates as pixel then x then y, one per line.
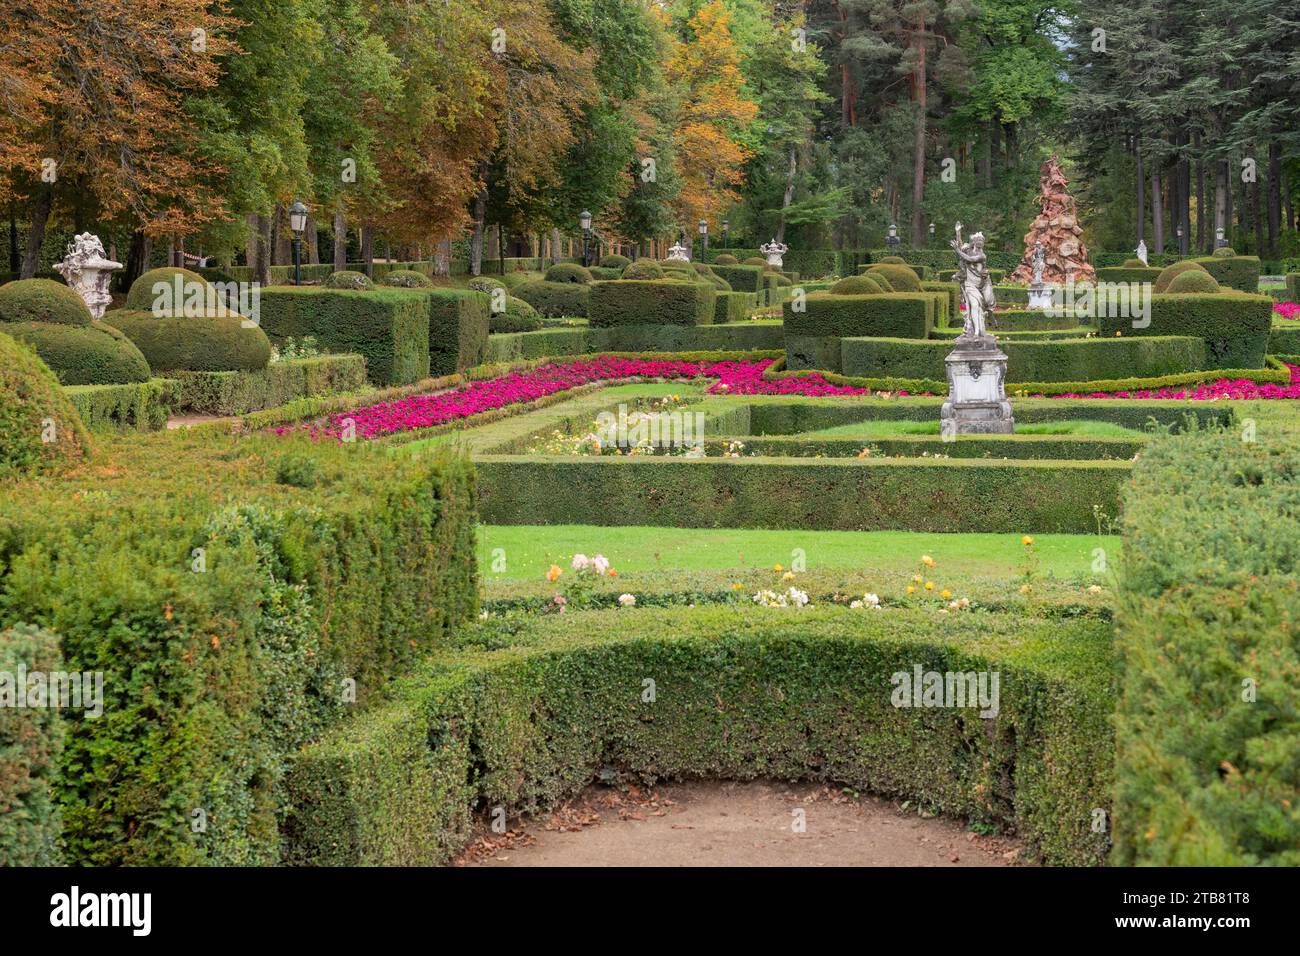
pixel 88 270
pixel 679 253
pixel 774 251
pixel 977 397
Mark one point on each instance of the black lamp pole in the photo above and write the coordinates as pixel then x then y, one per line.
pixel 704 238
pixel 297 224
pixel 726 231
pixel 584 220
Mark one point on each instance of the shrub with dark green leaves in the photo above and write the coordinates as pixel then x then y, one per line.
pixel 643 269
pixel 1129 273
pixel 31 403
pixel 556 299
pixel 1235 272
pixel 741 278
pixel 901 277
pixel 94 354
pixel 518 316
pixel 756 261
pixel 1224 252
pixel 486 284
pixel 137 406
pixel 1169 273
pixel 166 291
pixel 238 393
pixel 1193 281
pixel 1234 326
pixel 614 261
pixel 726 259
pixel 733 307
pixel 1208 715
pixel 348 279
pixel 458 328
pixel 42 300
pixel 31 740
pixel 651 302
pixel 406 279
pixel 389 327
pixel 568 272
pixel 894 260
pixel 882 280
pixel 857 285
pixel 206 344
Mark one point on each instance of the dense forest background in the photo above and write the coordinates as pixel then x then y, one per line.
pixel 416 129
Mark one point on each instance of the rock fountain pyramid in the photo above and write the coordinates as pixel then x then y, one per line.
pixel 1064 256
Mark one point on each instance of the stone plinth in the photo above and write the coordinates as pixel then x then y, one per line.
pixel 1040 296
pixel 977 396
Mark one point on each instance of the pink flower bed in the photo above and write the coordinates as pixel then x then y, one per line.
pixel 1288 310
pixel 732 378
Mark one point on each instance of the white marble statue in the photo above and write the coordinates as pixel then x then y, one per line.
pixel 1142 252
pixel 775 251
pixel 679 253
pixel 976 286
pixel 1040 262
pixel 88 270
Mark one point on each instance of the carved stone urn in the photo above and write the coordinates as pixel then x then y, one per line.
pixel 88 270
pixel 775 251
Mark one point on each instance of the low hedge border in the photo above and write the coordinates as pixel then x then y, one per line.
pixel 554 343
pixel 1284 339
pixel 650 302
pixel 1065 360
pixel 1208 648
pixel 1235 326
pixel 238 393
pixel 733 307
pixel 139 406
pixel 740 696
pixel 1069 447
pixel 1030 320
pixel 822 494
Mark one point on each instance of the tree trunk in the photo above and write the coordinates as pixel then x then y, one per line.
pixel 918 145
pixel 340 237
pixel 555 246
pixel 476 237
pixel 311 242
pixel 1286 198
pixel 442 258
pixel 1184 172
pixel 251 232
pixel 995 146
pixel 1255 215
pixel 1221 198
pixel 368 250
pixel 36 230
pixel 1274 196
pixel 986 161
pixel 1141 193
pixel 261 261
pixel 1200 192
pixel 15 257
pixel 1157 211
pixel 791 169
pixel 137 258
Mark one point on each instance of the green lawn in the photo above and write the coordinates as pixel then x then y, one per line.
pixel 528 550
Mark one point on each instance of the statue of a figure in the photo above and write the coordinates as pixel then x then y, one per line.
pixel 976 286
pixel 1040 261
pixel 87 269
pixel 679 253
pixel 1142 252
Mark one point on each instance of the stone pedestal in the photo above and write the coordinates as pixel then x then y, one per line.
pixel 977 396
pixel 1040 296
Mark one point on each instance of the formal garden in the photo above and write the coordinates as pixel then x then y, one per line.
pixel 374 521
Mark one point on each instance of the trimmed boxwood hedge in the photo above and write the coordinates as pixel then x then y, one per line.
pixel 822 494
pixel 1064 360
pixel 1235 327
pixel 1207 724
pixel 1027 446
pixel 742 278
pixel 517 316
pixel 390 327
pixel 237 393
pixel 1029 320
pixel 94 354
pixel 318 567
pixel 555 299
pixel 900 315
pixel 458 329
pixel 1284 340
pixel 139 406
pixel 1128 274
pixel 42 300
pixel 31 740
pixel 529 724
pixel 1293 286
pixel 142 296
pixel 200 344
pixel 30 397
pixel 733 307
pixel 1237 272
pixel 734 337
pixel 651 302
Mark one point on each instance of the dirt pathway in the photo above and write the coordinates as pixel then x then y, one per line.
pixel 738 824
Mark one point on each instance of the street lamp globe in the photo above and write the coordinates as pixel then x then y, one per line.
pixel 584 220
pixel 704 227
pixel 298 217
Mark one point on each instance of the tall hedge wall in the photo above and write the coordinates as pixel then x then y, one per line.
pixel 1063 360
pixel 650 302
pixel 1235 327
pixel 228 634
pixel 529 724
pixel 812 333
pixel 1208 724
pixel 390 327
pixel 1237 272
pixel 458 328
pixel 830 494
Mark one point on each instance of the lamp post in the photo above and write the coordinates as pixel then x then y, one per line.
pixel 932 234
pixel 584 220
pixel 1182 248
pixel 297 225
pixel 1219 240
pixel 726 228
pixel 891 239
pixel 704 238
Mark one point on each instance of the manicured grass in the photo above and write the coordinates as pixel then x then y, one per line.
pixel 530 549
pixel 874 428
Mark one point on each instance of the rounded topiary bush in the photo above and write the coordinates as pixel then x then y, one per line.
pixel 407 279
pixel 147 293
pixel 208 344
pixel 755 261
pixel 348 279
pixel 42 300
pixel 33 408
pixel 568 272
pixel 719 283
pixel 556 299
pixel 893 260
pixel 1134 264
pixel 1224 252
pixel 726 259
pixel 856 285
pixel 1193 280
pixel 95 354
pixel 644 269
pixel 882 280
pixel 684 274
pixel 518 316
pixel 486 284
pixel 614 261
pixel 901 278
pixel 1169 273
